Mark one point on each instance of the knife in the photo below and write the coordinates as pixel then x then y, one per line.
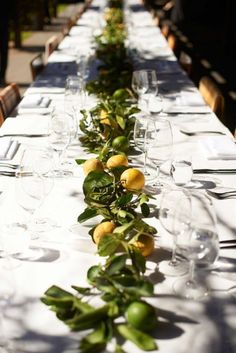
pixel 8 173
pixel 214 171
pixel 24 135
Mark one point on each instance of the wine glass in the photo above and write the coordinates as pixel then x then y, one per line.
pixel 139 84
pixel 200 245
pixel 29 191
pixel 153 102
pixel 159 144
pixel 40 161
pixel 140 127
pixel 61 130
pixel 175 207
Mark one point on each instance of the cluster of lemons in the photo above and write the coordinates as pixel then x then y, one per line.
pixel 132 179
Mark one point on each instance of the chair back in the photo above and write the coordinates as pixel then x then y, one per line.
pixel 212 96
pixel 9 99
pixel 36 65
pixel 1 116
pixel 174 44
pixel 50 45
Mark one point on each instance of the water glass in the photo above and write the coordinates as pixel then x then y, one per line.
pixel 181 170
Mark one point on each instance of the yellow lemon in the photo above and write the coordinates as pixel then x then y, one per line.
pixel 92 164
pixel 145 244
pixel 116 161
pixel 103 117
pixel 132 179
pixel 102 229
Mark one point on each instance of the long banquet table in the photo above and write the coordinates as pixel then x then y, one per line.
pixel 184 326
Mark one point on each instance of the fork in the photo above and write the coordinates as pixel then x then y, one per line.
pixel 222 195
pixel 195 133
pixel 9 165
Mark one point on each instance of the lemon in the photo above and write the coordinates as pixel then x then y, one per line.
pixel 102 229
pixel 141 315
pixel 116 161
pixel 132 179
pixel 120 143
pixel 91 165
pixel 103 117
pixel 145 244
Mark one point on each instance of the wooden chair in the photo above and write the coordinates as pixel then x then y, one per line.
pixel 212 96
pixel 50 45
pixel 9 99
pixel 174 44
pixel 71 22
pixel 1 116
pixel 36 65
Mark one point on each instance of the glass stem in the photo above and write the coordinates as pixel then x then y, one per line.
pixel 191 271
pixel 173 257
pixel 145 162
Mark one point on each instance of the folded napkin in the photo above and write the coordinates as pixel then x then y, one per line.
pixel 34 101
pixel 25 124
pixel 186 102
pixel 5 144
pixel 8 148
pixel 219 147
pixel 45 90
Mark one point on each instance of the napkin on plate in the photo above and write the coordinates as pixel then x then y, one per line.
pixel 219 147
pixel 8 148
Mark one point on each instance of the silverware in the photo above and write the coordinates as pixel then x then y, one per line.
pixel 24 135
pixel 222 195
pixel 233 246
pixel 195 133
pixel 8 165
pixel 6 173
pixel 214 171
pixel 228 241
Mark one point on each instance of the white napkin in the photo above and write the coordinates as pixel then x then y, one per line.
pixel 5 143
pixel 8 148
pixel 34 101
pixel 45 90
pixel 25 124
pixel 186 102
pixel 219 147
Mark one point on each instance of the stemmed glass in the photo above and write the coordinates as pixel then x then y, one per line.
pixel 159 144
pixel 153 102
pixel 175 208
pixel 140 127
pixel 29 191
pixel 139 84
pixel 61 130
pixel 199 244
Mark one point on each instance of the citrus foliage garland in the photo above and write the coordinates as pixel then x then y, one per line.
pixel 112 193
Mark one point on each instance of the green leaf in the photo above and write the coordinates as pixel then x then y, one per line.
pixel 93 273
pixel 141 339
pixel 145 209
pixel 124 199
pixel 116 263
pixel 57 292
pixel 96 179
pixel 121 121
pixel 82 290
pixel 87 214
pixel 80 161
pixel 125 228
pixel 88 320
pixel 138 260
pixel 108 244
